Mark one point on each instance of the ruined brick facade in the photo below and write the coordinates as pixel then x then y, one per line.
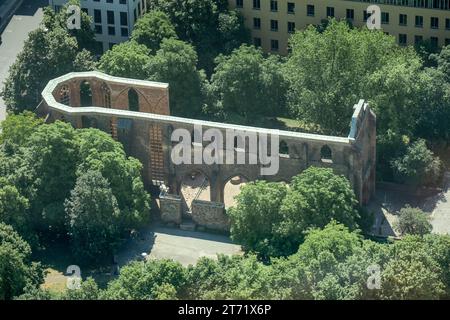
pixel 145 131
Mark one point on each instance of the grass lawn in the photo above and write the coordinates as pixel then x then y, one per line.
pixel 56 257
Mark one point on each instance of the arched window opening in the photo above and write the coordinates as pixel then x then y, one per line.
pixel 326 154
pixel 85 94
pixel 283 148
pixel 64 95
pixel 106 96
pixel 133 100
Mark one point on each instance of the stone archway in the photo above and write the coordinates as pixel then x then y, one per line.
pixel 195 185
pixel 232 188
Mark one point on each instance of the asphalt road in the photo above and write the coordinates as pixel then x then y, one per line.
pixel 26 19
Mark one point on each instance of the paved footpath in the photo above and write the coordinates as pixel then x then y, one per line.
pixel 441 213
pixel 26 19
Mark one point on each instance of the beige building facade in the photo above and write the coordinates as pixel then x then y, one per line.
pixel 409 21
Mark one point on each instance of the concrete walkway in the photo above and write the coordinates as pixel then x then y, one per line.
pixel 440 218
pixel 185 247
pixel 27 18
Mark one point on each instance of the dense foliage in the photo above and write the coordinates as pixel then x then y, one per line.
pixel 48 177
pixel 332 263
pixel 16 269
pixel 283 214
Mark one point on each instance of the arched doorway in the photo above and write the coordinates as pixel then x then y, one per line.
pixel 195 186
pixel 231 189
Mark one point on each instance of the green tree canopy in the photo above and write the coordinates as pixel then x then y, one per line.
pixel 418 166
pixel 176 64
pixel 93 216
pixel 256 215
pixel 413 221
pixel 330 71
pixel 152 28
pixel 127 59
pixel 271 219
pixel 147 280
pixel 316 197
pixel 248 84
pixel 16 270
pixel 207 24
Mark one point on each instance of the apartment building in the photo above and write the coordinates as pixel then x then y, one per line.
pixel 410 21
pixel 112 20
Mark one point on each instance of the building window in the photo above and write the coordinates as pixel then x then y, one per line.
pixel 257 42
pixel 418 40
pixel 257 4
pixel 350 14
pixel 434 42
pixel 256 23
pixel 291 7
pixel 326 155
pixel 97 16
pixel 239 3
pixel 274 25
pixel 402 39
pixel 330 11
pixel 98 29
pixel 64 95
pixel 310 10
pixel 434 23
pixel 133 100
pixel 419 21
pixel 291 27
pixel 385 17
pixel 403 19
pixel 447 23
pixel 106 96
pixel 109 1
pixel 124 32
pixel 274 45
pixel 283 148
pixel 447 41
pixel 110 17
pixel 124 19
pixel 274 5
pixel 123 1
pixel 112 31
pixel 365 15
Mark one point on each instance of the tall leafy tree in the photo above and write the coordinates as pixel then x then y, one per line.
pixel 248 84
pixel 84 36
pixel 127 60
pixel 316 197
pixel 93 216
pixel 176 63
pixel 258 204
pixel 47 54
pixel 100 152
pixel 413 221
pixel 330 71
pixel 207 24
pixel 152 28
pixel 16 269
